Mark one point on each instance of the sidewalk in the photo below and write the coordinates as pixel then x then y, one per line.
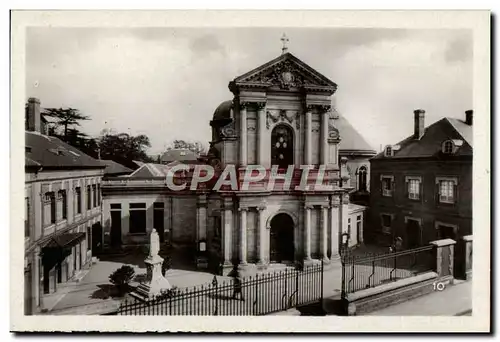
pixel 453 301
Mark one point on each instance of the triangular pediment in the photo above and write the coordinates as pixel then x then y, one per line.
pixel 286 72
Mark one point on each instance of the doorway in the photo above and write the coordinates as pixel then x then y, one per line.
pixel 282 248
pixel 447 232
pixel 413 233
pixel 116 228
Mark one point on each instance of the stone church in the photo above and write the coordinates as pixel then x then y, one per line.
pixel 280 114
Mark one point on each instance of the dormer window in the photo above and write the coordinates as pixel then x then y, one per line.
pixel 388 151
pixel 448 147
pixel 451 146
pixel 183 153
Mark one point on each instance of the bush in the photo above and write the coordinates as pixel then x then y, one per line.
pixel 166 265
pixel 122 277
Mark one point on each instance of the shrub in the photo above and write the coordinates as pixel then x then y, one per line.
pixel 166 265
pixel 122 277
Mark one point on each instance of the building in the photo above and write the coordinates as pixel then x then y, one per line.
pixel 421 188
pixel 280 115
pixel 62 208
pixel 182 155
pixel 114 169
pixel 357 152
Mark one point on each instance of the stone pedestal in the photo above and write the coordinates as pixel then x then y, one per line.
pixel 155 282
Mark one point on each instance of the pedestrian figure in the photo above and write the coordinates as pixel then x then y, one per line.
pixel 237 288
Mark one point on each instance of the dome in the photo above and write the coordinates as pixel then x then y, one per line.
pixel 223 111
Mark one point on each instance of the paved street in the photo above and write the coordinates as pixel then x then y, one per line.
pixel 454 300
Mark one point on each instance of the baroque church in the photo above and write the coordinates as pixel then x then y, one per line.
pixel 280 114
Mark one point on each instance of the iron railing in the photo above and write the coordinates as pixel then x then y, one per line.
pixel 362 272
pixel 263 294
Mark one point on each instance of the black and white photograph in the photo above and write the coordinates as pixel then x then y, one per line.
pixel 208 167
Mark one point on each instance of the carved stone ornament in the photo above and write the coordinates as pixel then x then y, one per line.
pixel 275 115
pixel 228 131
pixel 333 133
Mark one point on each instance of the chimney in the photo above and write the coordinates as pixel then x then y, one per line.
pixel 33 122
pixel 419 123
pixel 468 117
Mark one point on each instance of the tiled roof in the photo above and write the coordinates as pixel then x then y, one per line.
pixel 181 154
pixel 430 144
pixel 151 170
pixel 113 168
pixel 51 152
pixel 350 139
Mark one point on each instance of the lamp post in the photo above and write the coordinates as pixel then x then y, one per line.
pixel 345 242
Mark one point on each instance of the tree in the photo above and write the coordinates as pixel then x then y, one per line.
pixel 66 118
pixel 195 146
pixel 124 148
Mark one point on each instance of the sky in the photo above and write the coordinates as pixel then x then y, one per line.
pixel 167 82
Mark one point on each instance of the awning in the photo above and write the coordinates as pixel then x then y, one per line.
pixel 59 247
pixel 64 240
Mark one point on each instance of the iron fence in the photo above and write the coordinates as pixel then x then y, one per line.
pixel 362 272
pixel 262 294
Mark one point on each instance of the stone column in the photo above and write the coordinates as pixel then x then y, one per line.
pixel 243 133
pixel 228 224
pixel 307 209
pixel 334 228
pixel 201 214
pixel 243 235
pixel 308 129
pixel 260 136
pixel 324 233
pixel 262 235
pixel 324 136
pixel 344 213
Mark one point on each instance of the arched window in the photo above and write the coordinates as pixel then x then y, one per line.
pixel 362 178
pixel 448 147
pixel 282 146
pixel 388 151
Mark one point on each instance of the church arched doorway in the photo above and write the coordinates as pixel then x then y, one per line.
pixel 282 239
pixel 282 146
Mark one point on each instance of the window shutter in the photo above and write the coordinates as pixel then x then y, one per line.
pixel 407 190
pixel 393 188
pixel 455 193
pixel 437 193
pixel 420 192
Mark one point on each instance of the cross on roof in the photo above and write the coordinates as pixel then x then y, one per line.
pixel 285 40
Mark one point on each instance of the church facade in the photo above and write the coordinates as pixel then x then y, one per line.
pixel 280 115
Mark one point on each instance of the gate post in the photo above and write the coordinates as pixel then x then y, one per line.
pixel 443 257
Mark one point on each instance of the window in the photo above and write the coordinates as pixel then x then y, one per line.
pixel 387 185
pixel 89 238
pixel 137 219
pixel 388 151
pixel 98 195
pixel 446 191
pixel 349 226
pixel 26 217
pixel 386 223
pixel 282 146
pixel 413 185
pixel 64 203
pixel 117 206
pixel 89 198
pixel 94 195
pixel 50 207
pixel 362 178
pixel 78 194
pixel 448 147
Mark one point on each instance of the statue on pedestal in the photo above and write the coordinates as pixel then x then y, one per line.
pixel 155 282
